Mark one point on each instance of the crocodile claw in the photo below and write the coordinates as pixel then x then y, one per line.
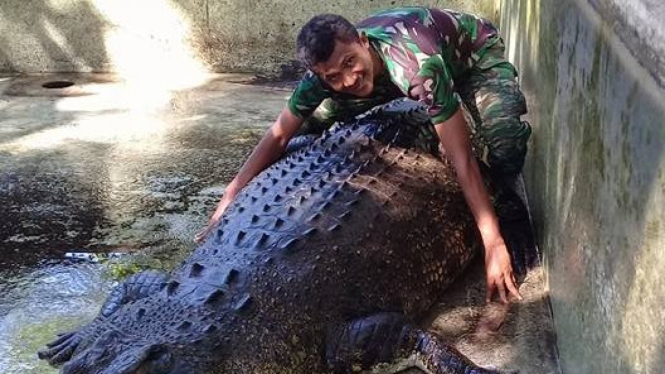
pixel 61 349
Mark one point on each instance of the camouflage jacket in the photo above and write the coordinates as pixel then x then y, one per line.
pixel 424 51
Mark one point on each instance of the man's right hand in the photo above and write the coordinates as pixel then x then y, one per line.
pixel 214 219
pixel 269 149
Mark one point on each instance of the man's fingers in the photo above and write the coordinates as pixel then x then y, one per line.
pixel 502 293
pixel 198 237
pixel 513 288
pixel 489 292
pixel 201 235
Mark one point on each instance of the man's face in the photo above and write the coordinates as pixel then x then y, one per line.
pixel 350 68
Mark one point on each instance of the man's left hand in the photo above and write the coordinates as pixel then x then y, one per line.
pixel 499 273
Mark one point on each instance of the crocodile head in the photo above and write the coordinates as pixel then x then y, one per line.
pixel 116 353
pixel 150 337
pixel 112 353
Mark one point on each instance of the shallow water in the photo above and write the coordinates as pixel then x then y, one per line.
pixel 36 304
pixel 103 172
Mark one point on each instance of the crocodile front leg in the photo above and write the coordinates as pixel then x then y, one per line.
pixel 134 288
pixel 386 343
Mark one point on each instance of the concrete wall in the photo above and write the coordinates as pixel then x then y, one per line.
pixel 593 72
pixel 172 35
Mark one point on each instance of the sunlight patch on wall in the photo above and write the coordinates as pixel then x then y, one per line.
pixel 147 43
pixel 60 40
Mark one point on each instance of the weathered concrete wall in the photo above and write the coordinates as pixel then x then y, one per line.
pixel 218 35
pixel 593 72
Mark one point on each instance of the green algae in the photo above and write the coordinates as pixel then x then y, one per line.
pixel 29 338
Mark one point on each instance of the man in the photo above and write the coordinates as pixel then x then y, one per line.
pixel 434 56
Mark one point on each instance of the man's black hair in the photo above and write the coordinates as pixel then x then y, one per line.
pixel 316 40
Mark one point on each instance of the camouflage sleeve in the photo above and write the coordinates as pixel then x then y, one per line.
pixel 307 96
pixel 433 86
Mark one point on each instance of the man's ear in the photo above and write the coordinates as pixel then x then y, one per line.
pixel 363 38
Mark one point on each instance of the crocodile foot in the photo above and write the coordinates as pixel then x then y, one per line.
pixel 61 349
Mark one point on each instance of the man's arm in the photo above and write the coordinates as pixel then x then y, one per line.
pixel 454 136
pixel 269 149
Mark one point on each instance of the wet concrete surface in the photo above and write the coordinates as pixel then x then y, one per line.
pixel 94 167
pixel 101 166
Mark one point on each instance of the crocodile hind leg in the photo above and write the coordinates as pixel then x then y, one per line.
pixel 133 288
pixel 386 343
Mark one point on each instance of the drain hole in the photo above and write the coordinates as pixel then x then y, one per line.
pixel 58 84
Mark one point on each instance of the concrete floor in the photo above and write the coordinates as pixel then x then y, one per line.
pixel 106 166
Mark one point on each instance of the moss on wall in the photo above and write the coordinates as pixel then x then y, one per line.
pixel 594 176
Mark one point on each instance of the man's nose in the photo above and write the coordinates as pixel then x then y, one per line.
pixel 349 80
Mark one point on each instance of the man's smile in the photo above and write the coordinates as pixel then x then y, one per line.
pixel 358 84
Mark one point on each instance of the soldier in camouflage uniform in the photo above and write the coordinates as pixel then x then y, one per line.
pixel 437 57
pixel 441 58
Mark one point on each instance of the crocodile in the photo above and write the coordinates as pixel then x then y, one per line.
pixel 324 263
